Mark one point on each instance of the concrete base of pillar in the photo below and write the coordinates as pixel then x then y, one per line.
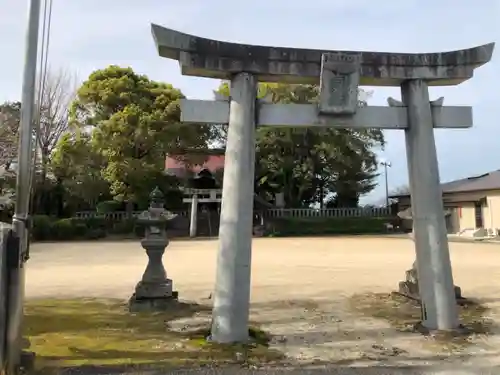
pixel 409 287
pixel 410 290
pixel 153 297
pixel 461 331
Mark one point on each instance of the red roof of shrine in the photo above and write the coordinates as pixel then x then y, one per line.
pixel 212 163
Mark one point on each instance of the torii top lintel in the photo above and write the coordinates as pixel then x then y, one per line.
pixel 217 59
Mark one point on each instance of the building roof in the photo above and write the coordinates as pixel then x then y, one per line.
pixel 486 181
pixel 174 164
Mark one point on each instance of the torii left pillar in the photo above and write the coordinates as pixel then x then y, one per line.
pixel 232 286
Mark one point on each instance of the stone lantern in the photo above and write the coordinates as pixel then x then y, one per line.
pixel 154 291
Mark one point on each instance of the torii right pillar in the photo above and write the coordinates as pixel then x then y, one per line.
pixel 437 292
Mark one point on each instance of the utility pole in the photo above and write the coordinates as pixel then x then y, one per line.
pixel 20 221
pixel 386 164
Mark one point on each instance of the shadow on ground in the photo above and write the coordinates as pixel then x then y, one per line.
pixel 295 370
pixel 372 328
pixel 404 315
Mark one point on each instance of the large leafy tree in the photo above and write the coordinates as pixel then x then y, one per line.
pixel 134 122
pixel 310 164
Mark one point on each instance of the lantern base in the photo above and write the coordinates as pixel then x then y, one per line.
pixel 156 289
pixel 145 304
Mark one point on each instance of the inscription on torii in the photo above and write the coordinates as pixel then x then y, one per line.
pixel 339 82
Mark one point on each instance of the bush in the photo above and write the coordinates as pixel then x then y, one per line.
pixel 6 213
pixel 174 200
pixel 41 227
pixel 63 229
pixel 140 231
pixel 126 226
pixel 327 226
pixel 109 206
pixel 46 228
pixel 94 223
pixel 95 234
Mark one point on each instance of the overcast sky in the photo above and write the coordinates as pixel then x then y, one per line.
pixel 91 34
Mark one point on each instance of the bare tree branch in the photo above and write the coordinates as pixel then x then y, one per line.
pixel 58 92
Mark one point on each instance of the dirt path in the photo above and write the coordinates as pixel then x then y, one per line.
pixel 299 293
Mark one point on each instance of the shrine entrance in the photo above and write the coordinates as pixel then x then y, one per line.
pixel 339 74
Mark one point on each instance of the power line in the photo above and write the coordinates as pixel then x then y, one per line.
pixel 43 71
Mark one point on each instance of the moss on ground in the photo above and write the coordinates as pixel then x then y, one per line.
pixel 97 332
pixel 404 314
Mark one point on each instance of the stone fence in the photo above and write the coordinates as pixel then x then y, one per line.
pixel 327 212
pixel 116 215
pixel 269 213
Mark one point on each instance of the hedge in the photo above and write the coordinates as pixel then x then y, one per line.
pixel 327 226
pixel 46 228
pixel 109 206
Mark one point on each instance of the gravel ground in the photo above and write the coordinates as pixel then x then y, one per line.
pixel 300 288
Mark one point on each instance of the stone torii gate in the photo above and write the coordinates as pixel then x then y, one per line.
pixel 193 196
pixel 339 74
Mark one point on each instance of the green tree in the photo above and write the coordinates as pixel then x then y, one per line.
pixel 9 128
pixel 77 168
pixel 310 164
pixel 135 121
pixel 10 115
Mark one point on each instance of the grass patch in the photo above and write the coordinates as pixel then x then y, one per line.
pixel 254 353
pixel 96 332
pixel 404 314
